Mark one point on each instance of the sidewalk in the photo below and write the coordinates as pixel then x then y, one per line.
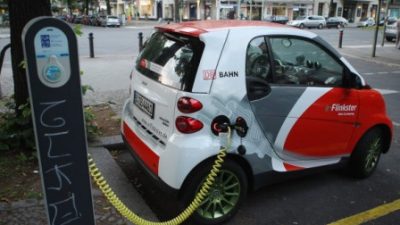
pixel 386 55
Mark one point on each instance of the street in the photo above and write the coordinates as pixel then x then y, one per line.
pixel 316 199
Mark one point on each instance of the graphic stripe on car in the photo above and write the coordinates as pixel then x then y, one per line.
pixel 309 97
pixel 149 158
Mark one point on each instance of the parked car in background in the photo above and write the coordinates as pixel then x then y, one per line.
pixel 366 22
pixel 277 19
pixel 337 22
pixel 390 32
pixel 78 19
pixel 110 21
pixel 308 21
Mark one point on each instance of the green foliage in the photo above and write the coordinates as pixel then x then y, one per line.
pixel 78 29
pixel 16 132
pixel 92 130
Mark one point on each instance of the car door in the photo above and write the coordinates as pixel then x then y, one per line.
pixel 306 110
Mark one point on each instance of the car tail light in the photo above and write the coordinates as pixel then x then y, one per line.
pixel 189 105
pixel 188 125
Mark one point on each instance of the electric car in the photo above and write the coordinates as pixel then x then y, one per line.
pixel 293 103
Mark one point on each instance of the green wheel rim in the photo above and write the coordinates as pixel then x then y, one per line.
pixel 374 152
pixel 222 197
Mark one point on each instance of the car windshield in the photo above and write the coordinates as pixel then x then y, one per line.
pixel 364 19
pixel 171 59
pixel 300 18
pixel 113 17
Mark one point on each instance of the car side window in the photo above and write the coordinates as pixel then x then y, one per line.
pixel 302 62
pixel 257 59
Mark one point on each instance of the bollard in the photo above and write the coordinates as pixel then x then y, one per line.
pixel 140 41
pixel 340 37
pixel 91 45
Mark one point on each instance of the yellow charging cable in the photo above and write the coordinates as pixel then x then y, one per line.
pixel 131 216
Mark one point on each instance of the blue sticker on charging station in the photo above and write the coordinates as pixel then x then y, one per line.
pixel 53 73
pixel 51 41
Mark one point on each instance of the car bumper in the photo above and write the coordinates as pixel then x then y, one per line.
pixel 156 181
pixel 390 35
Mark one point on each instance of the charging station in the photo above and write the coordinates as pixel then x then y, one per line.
pixel 53 76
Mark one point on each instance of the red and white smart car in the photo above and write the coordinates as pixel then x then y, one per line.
pixel 293 101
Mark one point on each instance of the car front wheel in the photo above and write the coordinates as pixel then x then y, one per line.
pixel 301 26
pixel 366 155
pixel 320 26
pixel 224 197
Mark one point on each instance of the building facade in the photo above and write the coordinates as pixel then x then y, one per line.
pixel 353 10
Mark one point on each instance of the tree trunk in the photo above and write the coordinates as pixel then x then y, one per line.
pixel 21 12
pixel 69 5
pixel 108 7
pixel 177 9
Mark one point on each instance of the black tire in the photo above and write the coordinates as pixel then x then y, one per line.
pixel 235 183
pixel 301 26
pixel 366 155
pixel 320 26
pixel 389 39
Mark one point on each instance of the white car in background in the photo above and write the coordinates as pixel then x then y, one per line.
pixel 390 31
pixel 110 21
pixel 308 21
pixel 366 22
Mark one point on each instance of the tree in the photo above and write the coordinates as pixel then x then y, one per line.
pixel 108 5
pixel 21 12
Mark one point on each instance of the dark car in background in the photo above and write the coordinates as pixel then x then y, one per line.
pixel 337 22
pixel 277 19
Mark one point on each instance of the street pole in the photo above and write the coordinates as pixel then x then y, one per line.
pixel 376 28
pixel 384 24
pixel 238 10
pixel 251 10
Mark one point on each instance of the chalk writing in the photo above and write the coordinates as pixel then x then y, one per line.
pixel 65 216
pixel 50 149
pixel 60 175
pixel 60 120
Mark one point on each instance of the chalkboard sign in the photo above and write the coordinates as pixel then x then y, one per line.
pixel 53 75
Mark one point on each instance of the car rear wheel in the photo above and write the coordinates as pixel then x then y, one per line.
pixel 366 155
pixel 320 26
pixel 224 197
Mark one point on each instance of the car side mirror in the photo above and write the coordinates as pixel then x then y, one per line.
pixel 351 80
pixel 257 88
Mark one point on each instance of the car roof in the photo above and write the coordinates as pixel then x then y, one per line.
pixel 196 28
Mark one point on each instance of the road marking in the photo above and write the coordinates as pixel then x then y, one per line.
pixel 369 215
pixel 386 91
pixel 368 46
pixel 381 73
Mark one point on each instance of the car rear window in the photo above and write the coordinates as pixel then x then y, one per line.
pixel 171 59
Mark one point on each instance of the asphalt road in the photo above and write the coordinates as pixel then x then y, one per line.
pixel 324 197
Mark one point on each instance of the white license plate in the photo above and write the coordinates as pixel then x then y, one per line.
pixel 143 104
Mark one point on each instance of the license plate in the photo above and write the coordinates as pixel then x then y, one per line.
pixel 143 104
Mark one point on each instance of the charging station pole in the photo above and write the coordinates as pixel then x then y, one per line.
pixel 53 76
